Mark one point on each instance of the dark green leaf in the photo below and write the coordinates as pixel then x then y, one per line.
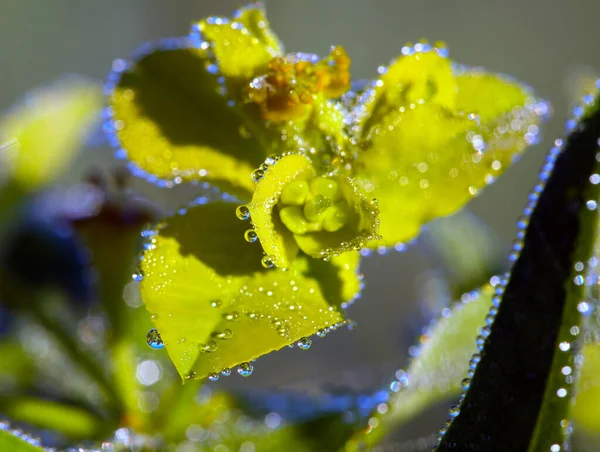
pixel 518 395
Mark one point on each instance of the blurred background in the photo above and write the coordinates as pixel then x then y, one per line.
pixel 543 43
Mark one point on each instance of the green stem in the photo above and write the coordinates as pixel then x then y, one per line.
pixel 176 409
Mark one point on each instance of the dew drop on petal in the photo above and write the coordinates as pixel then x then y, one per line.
pixel 154 340
pixel 304 343
pixel 232 317
pixel 272 159
pixel 245 369
pixel 267 262
pixel 213 376
pixel 225 334
pixel 250 235
pixel 257 175
pixel 242 212
pixel 211 346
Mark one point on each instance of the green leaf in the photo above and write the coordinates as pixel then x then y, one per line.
pixel 12 443
pixel 72 421
pixel 426 157
pixel 45 132
pixel 216 306
pixel 170 117
pixel 436 373
pixel 519 394
pixel 17 370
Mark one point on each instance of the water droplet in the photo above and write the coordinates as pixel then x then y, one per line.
pixel 242 212
pixel 225 334
pixel 257 175
pixel 321 333
pixel 211 346
pixel 480 342
pixel 226 372
pixel 190 376
pixel 465 383
pixel 216 303
pixel 454 410
pixel 245 369
pixel 213 376
pixel 267 262
pixel 250 235
pixel 351 325
pixel 304 343
pixel 272 159
pixel 474 360
pixel 231 316
pixel 154 340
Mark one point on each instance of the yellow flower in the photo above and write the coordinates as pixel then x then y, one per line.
pixel 319 169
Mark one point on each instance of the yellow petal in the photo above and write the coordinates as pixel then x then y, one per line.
pixel 423 75
pixel 428 161
pixel 168 117
pixel 487 95
pixel 254 18
pixel 242 46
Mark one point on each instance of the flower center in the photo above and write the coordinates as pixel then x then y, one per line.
pixel 311 206
pixel 292 82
